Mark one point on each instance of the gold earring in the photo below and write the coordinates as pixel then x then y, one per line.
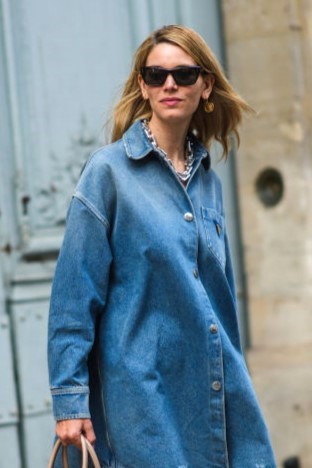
pixel 209 107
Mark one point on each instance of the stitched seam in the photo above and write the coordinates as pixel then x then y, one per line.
pixel 91 208
pixel 70 390
pixel 206 217
pixel 127 147
pixel 206 213
pixel 61 416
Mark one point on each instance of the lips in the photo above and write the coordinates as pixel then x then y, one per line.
pixel 171 101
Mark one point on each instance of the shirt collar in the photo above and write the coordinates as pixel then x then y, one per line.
pixel 138 146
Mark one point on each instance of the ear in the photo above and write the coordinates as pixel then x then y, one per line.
pixel 208 85
pixel 143 87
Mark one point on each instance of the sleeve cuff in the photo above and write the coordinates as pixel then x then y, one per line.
pixel 70 403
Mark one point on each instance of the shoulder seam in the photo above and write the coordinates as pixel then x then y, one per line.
pixel 91 208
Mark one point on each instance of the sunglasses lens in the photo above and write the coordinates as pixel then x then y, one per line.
pixel 183 76
pixel 154 76
pixel 186 76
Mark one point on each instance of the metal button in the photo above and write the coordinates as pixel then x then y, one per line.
pixel 195 272
pixel 216 386
pixel 188 216
pixel 213 328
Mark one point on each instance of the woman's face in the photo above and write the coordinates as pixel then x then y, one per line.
pixel 171 102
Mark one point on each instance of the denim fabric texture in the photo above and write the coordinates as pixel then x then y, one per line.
pixel 143 330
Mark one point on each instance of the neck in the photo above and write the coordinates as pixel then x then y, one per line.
pixel 171 138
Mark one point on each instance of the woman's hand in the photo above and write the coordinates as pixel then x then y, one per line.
pixel 70 430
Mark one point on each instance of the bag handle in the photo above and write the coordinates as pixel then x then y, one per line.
pixel 87 450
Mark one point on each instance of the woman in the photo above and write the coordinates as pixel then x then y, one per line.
pixel 144 350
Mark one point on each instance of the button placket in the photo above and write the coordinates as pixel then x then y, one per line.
pixel 216 385
pixel 213 328
pixel 188 216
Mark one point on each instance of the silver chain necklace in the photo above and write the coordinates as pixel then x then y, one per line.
pixel 189 155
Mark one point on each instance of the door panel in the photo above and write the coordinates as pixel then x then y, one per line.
pixel 64 68
pixel 9 415
pixel 30 329
pixel 10 454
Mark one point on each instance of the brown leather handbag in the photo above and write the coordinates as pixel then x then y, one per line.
pixel 87 451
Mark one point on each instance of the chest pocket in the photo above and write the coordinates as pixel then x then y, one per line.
pixel 214 228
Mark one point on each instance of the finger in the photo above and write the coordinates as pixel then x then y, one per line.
pixel 88 432
pixel 72 438
pixel 69 433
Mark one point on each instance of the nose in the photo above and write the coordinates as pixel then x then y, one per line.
pixel 170 83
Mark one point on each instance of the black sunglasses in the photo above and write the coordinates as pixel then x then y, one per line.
pixel 183 76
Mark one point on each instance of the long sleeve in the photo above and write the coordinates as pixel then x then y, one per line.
pixel 78 297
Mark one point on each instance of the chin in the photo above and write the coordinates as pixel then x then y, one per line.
pixel 175 117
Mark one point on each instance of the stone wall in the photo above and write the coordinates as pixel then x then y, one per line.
pixel 269 56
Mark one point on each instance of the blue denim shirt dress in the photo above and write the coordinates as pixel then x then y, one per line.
pixel 143 331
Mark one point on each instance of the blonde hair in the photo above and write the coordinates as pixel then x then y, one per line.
pixel 228 105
